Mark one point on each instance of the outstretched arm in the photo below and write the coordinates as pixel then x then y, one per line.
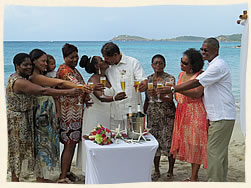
pixel 27 87
pixel 181 87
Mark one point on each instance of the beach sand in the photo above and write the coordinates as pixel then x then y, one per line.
pixel 182 170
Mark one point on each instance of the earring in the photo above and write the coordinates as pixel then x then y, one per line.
pixel 191 70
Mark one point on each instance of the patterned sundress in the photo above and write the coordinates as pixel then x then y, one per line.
pixel 160 118
pixel 71 113
pixel 20 129
pixel 47 152
pixel 190 129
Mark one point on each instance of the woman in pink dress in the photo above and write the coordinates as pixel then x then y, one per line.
pixel 189 142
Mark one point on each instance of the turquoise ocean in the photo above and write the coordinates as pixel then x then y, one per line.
pixel 141 50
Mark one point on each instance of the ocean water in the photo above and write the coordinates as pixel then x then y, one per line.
pixel 141 50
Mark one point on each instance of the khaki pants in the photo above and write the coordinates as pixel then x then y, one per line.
pixel 219 134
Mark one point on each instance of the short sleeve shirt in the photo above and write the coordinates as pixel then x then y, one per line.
pixel 218 98
pixel 132 70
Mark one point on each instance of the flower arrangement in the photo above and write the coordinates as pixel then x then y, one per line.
pixel 122 72
pixel 100 135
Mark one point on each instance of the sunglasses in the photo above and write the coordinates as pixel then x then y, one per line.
pixel 204 49
pixel 184 63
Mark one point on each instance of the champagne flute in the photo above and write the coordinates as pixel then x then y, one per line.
pixel 122 83
pixel 159 85
pixel 80 86
pixel 136 85
pixel 169 82
pixel 150 86
pixel 103 81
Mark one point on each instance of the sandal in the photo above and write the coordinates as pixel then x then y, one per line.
pixel 64 180
pixel 187 179
pixel 43 180
pixel 155 176
pixel 73 177
pixel 190 180
pixel 169 174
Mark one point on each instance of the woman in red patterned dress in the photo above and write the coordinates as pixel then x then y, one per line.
pixel 71 112
pixel 189 142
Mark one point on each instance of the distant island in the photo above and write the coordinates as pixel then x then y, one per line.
pixel 232 38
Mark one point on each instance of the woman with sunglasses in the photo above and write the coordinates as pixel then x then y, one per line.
pixel 189 142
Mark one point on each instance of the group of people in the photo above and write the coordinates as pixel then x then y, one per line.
pixel 45 107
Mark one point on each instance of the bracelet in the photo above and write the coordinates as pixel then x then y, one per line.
pixel 113 97
pixel 172 90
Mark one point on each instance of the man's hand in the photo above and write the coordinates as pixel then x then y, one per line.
pixel 143 85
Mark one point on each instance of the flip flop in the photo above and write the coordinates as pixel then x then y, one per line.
pixel 187 179
pixel 73 177
pixel 169 175
pixel 155 176
pixel 64 180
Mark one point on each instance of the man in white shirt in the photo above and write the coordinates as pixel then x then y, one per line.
pixel 220 106
pixel 129 69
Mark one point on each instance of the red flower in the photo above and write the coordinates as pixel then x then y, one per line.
pixel 102 128
pixel 107 130
pixel 98 131
pixel 103 135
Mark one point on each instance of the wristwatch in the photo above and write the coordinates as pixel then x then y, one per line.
pixel 172 89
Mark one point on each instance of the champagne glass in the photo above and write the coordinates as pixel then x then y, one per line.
pixel 150 86
pixel 159 85
pixel 136 85
pixel 80 86
pixel 169 82
pixel 122 83
pixel 103 81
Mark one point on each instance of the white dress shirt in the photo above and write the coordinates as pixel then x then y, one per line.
pixel 133 70
pixel 218 98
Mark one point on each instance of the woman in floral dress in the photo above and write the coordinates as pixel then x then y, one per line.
pixel 160 115
pixel 46 128
pixel 19 98
pixel 190 128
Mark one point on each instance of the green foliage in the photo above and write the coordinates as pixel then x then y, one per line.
pixel 233 37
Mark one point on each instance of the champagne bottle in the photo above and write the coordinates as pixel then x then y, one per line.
pixel 140 120
pixel 139 113
pixel 129 119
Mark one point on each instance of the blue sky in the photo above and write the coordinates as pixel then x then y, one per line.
pixel 30 23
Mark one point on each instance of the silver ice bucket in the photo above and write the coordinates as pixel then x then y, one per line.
pixel 134 122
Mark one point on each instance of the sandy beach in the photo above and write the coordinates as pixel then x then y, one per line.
pixel 182 170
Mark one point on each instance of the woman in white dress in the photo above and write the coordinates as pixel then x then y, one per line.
pixel 100 111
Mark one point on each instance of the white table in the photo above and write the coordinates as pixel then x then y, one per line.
pixel 120 163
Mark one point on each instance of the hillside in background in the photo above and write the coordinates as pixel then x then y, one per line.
pixel 233 37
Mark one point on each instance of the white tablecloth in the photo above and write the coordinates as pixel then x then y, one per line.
pixel 120 163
